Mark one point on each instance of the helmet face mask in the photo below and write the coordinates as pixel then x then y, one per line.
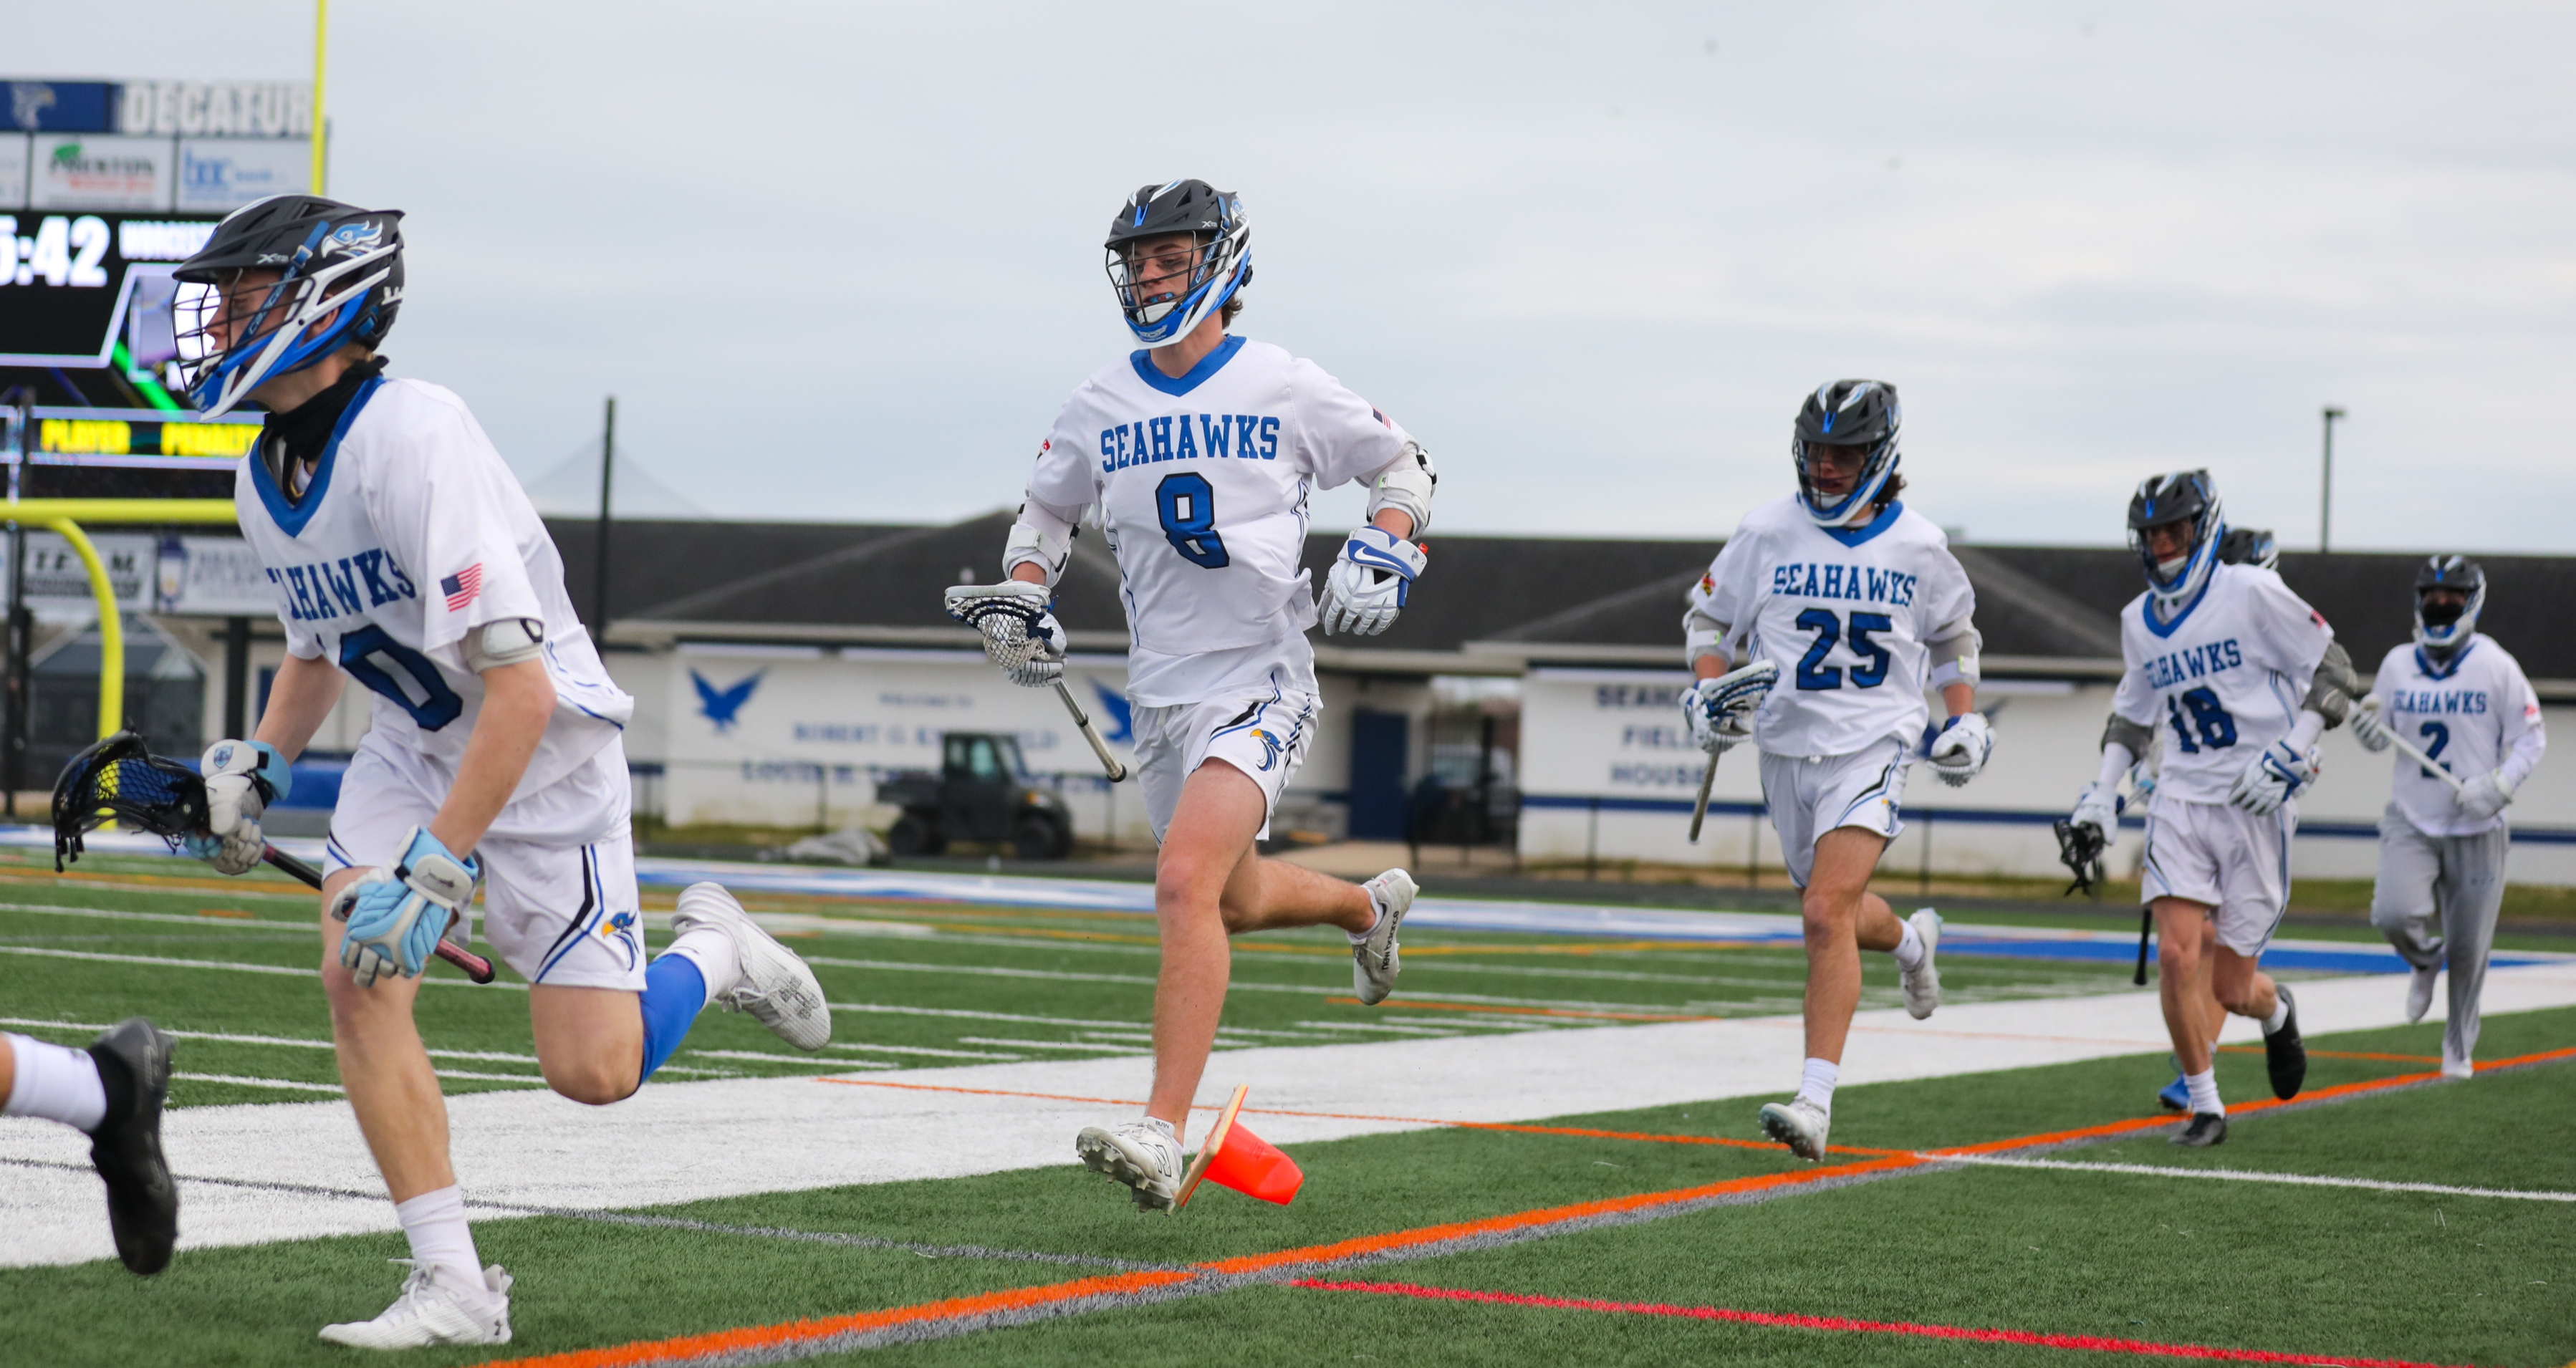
pixel 2188 498
pixel 283 284
pixel 1846 416
pixel 1164 294
pixel 2449 593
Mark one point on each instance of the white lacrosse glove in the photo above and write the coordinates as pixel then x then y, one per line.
pixel 1021 635
pixel 1959 750
pixel 2096 808
pixel 1369 581
pixel 1720 711
pixel 2273 777
pixel 2485 795
pixel 242 779
pixel 2367 728
pixel 396 915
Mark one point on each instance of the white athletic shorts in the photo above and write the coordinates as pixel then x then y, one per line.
pixel 2225 858
pixel 1262 732
pixel 559 896
pixel 1810 795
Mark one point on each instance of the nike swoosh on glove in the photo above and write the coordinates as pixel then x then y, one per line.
pixel 242 779
pixel 2484 796
pixel 396 915
pixel 2272 777
pixel 1370 581
pixel 1959 751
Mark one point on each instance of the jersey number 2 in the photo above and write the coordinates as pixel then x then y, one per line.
pixel 1813 673
pixel 366 652
pixel 1188 509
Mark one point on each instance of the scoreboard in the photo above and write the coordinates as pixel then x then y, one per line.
pixel 106 186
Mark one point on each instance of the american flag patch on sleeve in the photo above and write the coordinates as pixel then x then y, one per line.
pixel 462 586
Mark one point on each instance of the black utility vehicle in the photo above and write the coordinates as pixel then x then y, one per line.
pixel 981 793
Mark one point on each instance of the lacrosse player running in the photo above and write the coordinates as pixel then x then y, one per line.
pixel 2458 697
pixel 1856 606
pixel 1196 454
pixel 2247 676
pixel 111 1091
pixel 404 556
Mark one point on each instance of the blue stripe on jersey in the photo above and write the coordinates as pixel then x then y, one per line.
pixel 2424 662
pixel 2147 609
pixel 291 517
pixel 1854 536
pixel 1208 365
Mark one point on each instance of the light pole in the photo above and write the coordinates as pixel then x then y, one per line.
pixel 2325 492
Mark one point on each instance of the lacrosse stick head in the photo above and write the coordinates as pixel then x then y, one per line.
pixel 1007 614
pixel 121 779
pixel 2079 848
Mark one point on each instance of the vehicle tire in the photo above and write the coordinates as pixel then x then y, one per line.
pixel 914 835
pixel 1039 838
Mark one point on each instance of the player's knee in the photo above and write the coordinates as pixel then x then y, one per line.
pixel 2389 916
pixel 593 1082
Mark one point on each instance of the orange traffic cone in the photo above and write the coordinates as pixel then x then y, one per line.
pixel 1239 1159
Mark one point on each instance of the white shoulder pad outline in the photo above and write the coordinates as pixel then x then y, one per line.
pixel 1407 484
pixel 509 641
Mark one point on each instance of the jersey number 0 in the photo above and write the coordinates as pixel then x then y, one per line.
pixel 365 654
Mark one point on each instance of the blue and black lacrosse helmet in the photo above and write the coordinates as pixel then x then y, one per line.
pixel 2444 627
pixel 293 278
pixel 1848 413
pixel 2181 496
pixel 1221 265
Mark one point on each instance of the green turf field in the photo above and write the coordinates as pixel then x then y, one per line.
pixel 1415 1247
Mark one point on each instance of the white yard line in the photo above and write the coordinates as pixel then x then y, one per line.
pixel 1232 986
pixel 690 1141
pixel 2248 1176
pixel 283 1084
pixel 290 971
pixel 830 1065
pixel 1076 1046
pixel 296 1042
pixel 179 918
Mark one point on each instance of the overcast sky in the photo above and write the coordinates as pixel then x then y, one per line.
pixel 842 261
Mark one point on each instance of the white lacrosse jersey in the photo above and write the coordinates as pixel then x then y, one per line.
pixel 1202 485
pixel 2475 715
pixel 410 533
pixel 2223 680
pixel 1844 613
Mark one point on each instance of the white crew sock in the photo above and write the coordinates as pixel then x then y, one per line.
pixel 711 948
pixel 1817 1084
pixel 55 1082
pixel 1377 914
pixel 2204 1092
pixel 2280 1014
pixel 1909 948
pixel 434 1222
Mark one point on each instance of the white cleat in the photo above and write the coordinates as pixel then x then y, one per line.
pixel 1799 1124
pixel 439 1305
pixel 2419 993
pixel 1922 984
pixel 1377 960
pixel 1145 1155
pixel 2456 1068
pixel 775 987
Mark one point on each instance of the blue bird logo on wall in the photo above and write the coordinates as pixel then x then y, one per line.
pixel 1114 707
pixel 720 705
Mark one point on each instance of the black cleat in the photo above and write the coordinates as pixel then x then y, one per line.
pixel 142 1203
pixel 2206 1129
pixel 2284 1054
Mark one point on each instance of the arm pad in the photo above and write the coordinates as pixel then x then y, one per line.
pixel 1703 635
pixel 2330 694
pixel 1954 655
pixel 506 642
pixel 1043 536
pixel 2138 739
pixel 1406 485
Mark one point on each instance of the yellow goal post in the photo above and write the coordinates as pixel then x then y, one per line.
pixel 64 517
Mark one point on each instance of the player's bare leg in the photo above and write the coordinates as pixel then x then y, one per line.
pixel 1208 885
pixel 590 1041
pixel 2182 981
pixel 1841 918
pixel 385 1068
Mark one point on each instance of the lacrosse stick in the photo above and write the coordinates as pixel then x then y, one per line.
pixel 1739 691
pixel 2415 753
pixel 1005 616
pixel 120 779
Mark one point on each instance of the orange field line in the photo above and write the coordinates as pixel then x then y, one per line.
pixel 2341 1054
pixel 1417 1005
pixel 752 1338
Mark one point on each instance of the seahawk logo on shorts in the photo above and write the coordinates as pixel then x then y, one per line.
pixel 1271 746
pixel 620 931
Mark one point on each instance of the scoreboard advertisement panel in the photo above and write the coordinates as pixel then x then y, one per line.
pixel 105 186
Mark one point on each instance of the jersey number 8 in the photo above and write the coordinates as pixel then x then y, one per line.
pixel 1188 510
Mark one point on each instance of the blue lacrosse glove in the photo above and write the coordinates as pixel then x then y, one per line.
pixel 396 915
pixel 242 779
